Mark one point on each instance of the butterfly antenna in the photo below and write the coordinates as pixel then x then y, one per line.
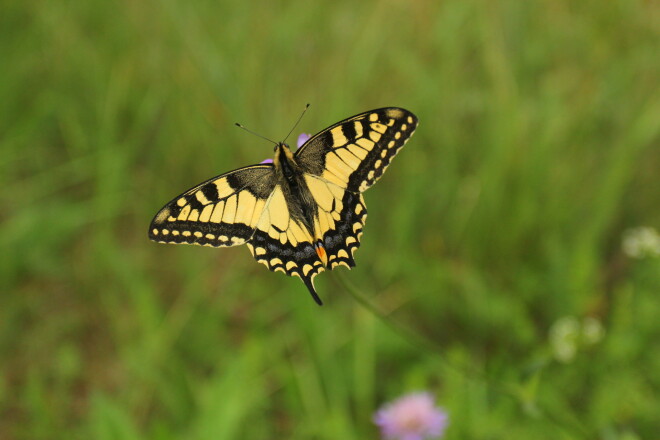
pixel 296 124
pixel 256 134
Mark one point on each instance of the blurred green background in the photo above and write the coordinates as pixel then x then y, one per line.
pixel 497 234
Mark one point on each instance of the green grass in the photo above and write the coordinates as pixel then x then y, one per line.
pixel 538 147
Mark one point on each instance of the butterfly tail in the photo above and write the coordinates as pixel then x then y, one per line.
pixel 309 282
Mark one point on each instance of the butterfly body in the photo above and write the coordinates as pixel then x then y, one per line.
pixel 289 176
pixel 303 213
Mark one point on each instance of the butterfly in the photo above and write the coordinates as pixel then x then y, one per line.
pixel 304 212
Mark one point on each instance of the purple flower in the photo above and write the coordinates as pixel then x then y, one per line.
pixel 411 417
pixel 304 137
pixel 301 140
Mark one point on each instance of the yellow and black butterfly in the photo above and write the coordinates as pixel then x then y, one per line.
pixel 304 212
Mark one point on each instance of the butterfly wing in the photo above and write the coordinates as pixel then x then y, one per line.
pixel 340 163
pixel 355 152
pixel 245 206
pixel 223 211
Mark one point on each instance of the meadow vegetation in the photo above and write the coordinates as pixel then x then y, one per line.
pixel 492 252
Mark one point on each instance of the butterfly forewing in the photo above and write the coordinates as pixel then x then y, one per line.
pixel 354 153
pixel 222 211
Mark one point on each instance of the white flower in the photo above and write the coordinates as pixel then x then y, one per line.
pixel 568 335
pixel 564 335
pixel 641 242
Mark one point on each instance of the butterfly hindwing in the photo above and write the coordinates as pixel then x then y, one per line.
pixel 342 242
pixel 292 253
pixel 290 248
pixel 222 211
pixel 354 153
pixel 341 216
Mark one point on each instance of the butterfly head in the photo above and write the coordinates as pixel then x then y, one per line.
pixel 283 153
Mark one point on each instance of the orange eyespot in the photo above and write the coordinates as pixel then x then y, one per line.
pixel 320 251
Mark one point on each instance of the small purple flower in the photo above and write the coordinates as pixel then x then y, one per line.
pixel 301 140
pixel 304 137
pixel 411 417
